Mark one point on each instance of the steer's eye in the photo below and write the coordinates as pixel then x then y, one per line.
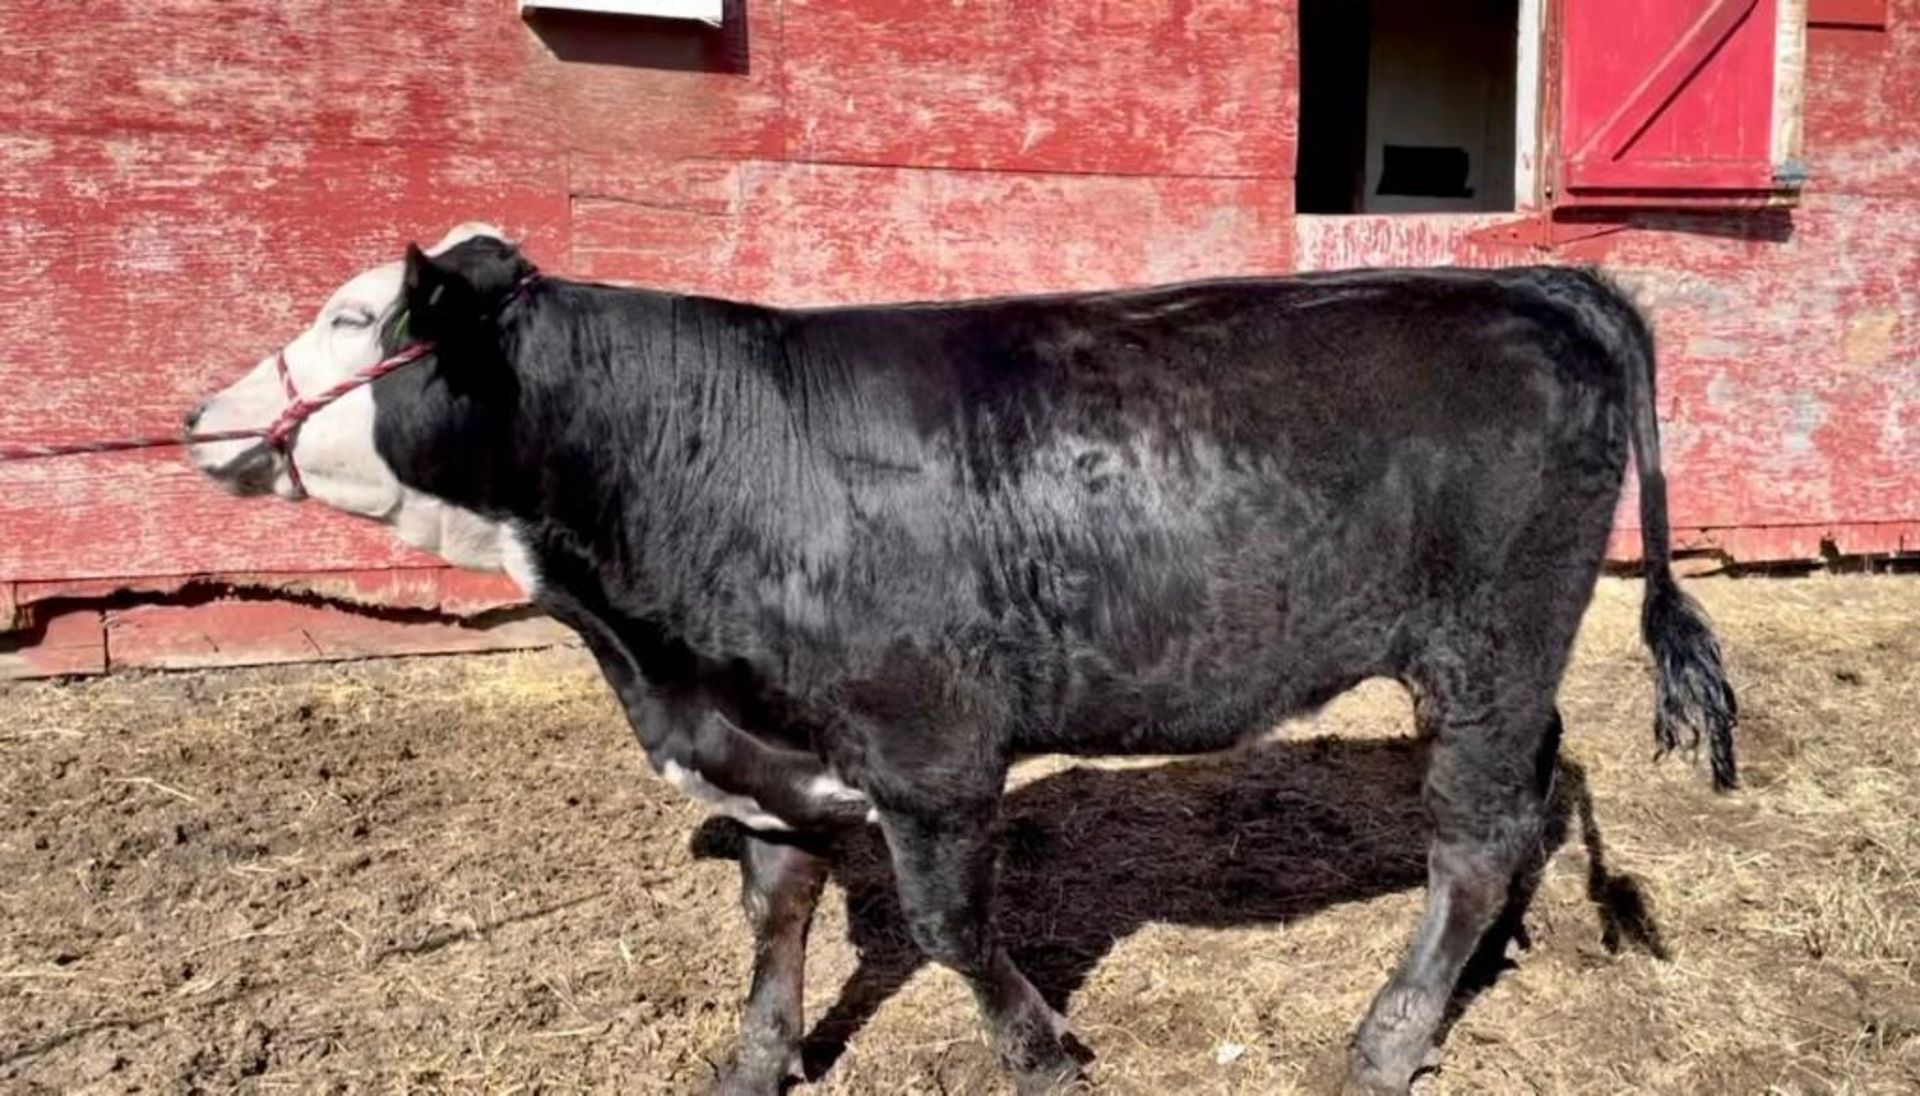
pixel 353 318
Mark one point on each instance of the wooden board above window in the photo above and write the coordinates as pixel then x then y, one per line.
pixel 1848 14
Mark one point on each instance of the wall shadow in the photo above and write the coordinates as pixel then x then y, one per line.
pixel 1766 225
pixel 1264 836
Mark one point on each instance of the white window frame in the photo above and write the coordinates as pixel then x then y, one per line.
pixel 705 11
pixel 1789 93
pixel 1528 145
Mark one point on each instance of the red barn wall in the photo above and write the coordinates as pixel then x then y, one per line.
pixel 182 182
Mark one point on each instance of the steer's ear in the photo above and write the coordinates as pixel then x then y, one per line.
pixel 455 295
pixel 437 302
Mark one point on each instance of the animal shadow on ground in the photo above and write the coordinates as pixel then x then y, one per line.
pixel 1263 835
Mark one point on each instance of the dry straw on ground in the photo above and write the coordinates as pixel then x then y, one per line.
pixel 454 875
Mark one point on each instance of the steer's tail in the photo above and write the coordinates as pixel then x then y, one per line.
pixel 1692 696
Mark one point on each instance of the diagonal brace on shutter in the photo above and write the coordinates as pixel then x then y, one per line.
pixel 1663 81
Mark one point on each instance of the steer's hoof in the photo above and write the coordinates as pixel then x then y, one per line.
pixel 1048 1065
pixel 1368 1076
pixel 762 1077
pixel 1371 1084
pixel 1333 1070
pixel 734 1083
pixel 1054 1081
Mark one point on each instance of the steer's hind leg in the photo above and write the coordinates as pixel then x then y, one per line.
pixel 1487 800
pixel 945 867
pixel 1485 685
pixel 780 882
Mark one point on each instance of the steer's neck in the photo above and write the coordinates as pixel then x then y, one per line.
pixel 660 430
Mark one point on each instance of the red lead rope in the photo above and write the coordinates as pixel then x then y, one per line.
pixel 276 435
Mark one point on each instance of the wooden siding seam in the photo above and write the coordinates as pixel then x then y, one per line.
pixel 115 132
pixel 1028 172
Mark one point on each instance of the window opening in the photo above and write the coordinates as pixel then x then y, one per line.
pixel 1410 106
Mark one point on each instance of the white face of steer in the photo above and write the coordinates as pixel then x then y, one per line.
pixel 334 449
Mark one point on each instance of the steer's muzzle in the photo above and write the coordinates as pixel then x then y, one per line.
pixel 251 471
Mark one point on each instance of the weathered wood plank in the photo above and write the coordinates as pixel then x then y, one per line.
pixel 1863 106
pixel 163 266
pixel 1398 239
pixel 1782 543
pixel 158 269
pixel 1163 87
pixel 629 93
pixel 334 71
pixel 1789 361
pixel 151 514
pixel 803 233
pixel 232 633
pixel 1856 14
pixel 72 644
pixel 1789 349
pixel 388 73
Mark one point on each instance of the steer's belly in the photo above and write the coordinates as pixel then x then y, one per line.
pixel 1233 696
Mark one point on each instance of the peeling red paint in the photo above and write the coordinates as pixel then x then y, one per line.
pixel 181 184
pixel 811 233
pixel 1141 87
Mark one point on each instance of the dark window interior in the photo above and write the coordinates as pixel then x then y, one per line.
pixel 1406 106
pixel 1423 171
pixel 1333 106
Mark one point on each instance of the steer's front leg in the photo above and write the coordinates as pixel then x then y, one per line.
pixel 944 863
pixel 780 881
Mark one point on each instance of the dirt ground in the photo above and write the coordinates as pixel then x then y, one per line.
pixel 456 875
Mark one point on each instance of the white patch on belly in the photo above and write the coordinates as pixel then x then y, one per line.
pixel 745 809
pixel 740 808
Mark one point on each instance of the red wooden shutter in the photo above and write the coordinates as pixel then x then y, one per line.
pixel 1692 102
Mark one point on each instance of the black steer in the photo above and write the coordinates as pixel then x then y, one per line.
pixel 849 563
